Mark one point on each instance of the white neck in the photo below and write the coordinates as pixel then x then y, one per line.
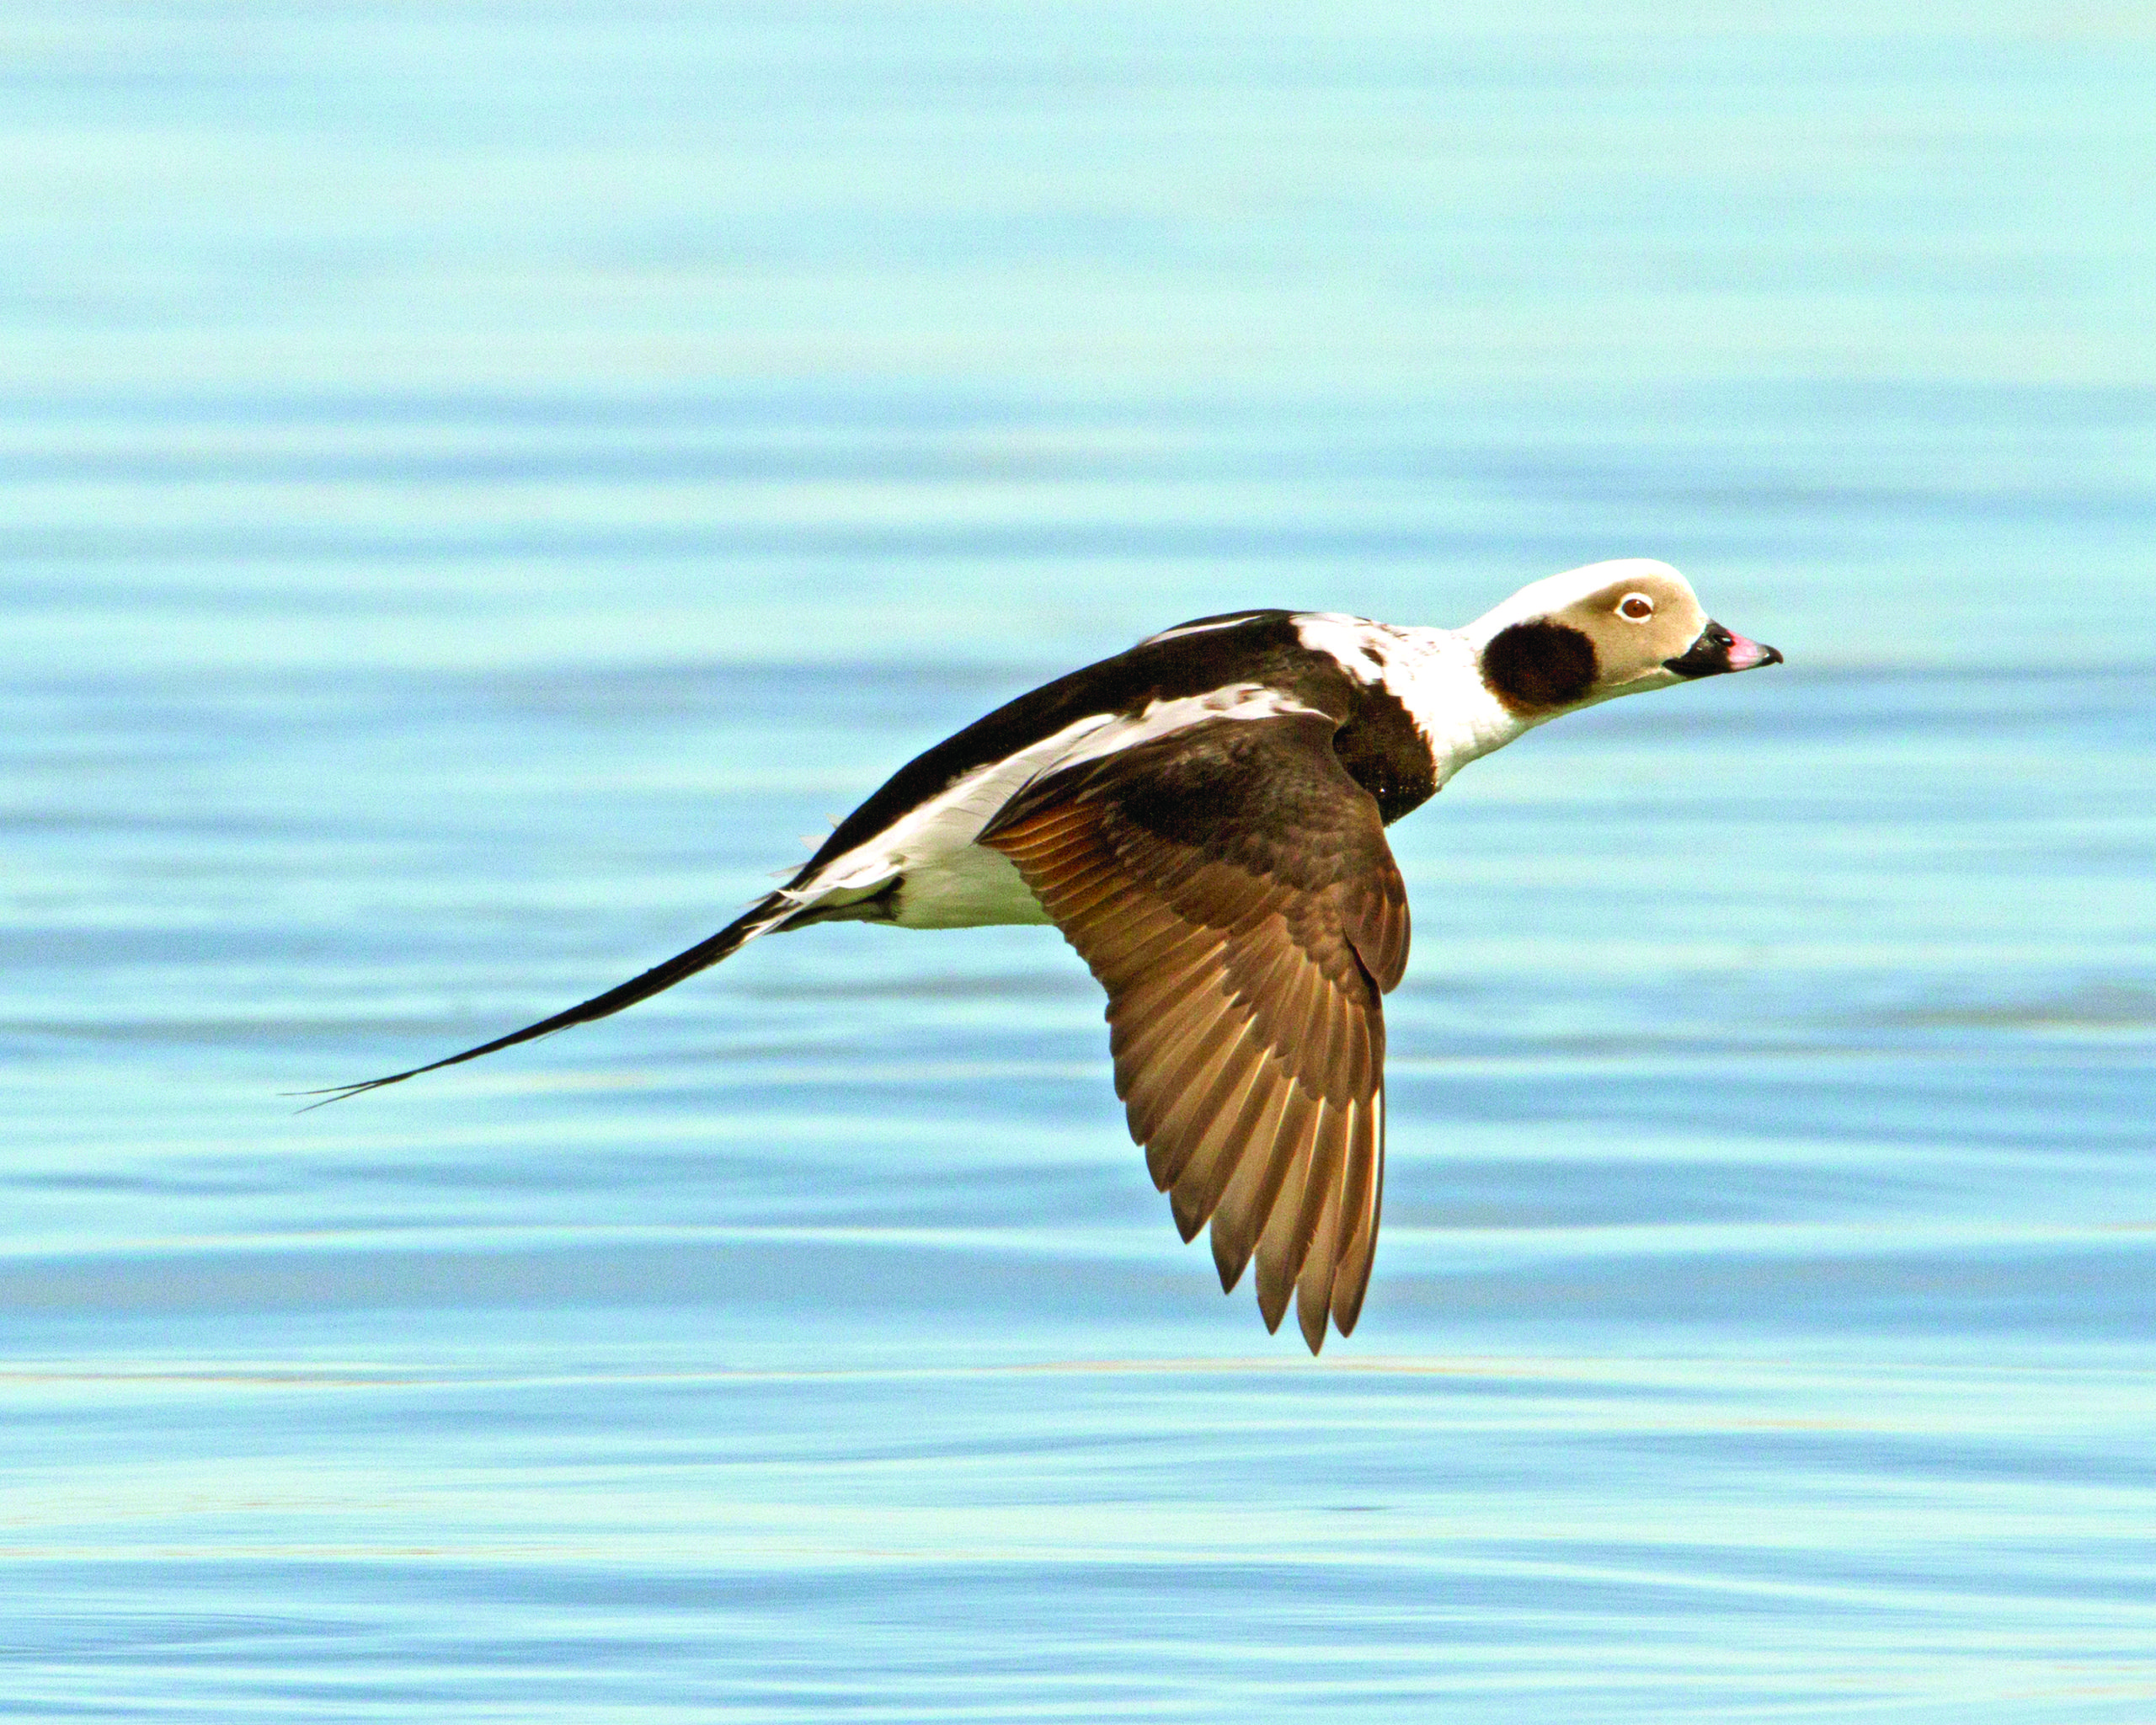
pixel 1435 674
pixel 1440 684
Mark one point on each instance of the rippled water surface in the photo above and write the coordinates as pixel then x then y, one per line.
pixel 482 487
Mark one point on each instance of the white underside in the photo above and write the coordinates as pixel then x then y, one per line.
pixel 946 880
pixel 970 889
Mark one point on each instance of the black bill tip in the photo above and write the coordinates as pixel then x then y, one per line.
pixel 1718 652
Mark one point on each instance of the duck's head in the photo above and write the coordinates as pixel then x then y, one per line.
pixel 1594 633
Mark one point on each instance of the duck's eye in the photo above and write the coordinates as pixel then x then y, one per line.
pixel 1635 605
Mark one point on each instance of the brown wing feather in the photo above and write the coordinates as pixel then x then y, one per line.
pixel 1246 950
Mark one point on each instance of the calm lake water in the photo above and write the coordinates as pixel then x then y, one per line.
pixel 484 486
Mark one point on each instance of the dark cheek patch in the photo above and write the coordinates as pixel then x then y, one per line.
pixel 1533 667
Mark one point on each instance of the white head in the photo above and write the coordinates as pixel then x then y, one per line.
pixel 1594 633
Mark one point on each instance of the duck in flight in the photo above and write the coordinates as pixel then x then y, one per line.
pixel 1204 818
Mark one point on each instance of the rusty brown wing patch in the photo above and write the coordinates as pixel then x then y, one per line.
pixel 1231 889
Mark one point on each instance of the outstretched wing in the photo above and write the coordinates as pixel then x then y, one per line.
pixel 1231 888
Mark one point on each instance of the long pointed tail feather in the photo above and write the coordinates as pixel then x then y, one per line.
pixel 768 914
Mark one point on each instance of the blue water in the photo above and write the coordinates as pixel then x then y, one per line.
pixel 480 488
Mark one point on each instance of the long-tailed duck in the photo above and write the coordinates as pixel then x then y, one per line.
pixel 1204 817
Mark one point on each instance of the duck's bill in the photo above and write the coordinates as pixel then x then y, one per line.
pixel 1717 651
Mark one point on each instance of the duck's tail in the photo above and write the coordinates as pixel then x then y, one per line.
pixel 770 912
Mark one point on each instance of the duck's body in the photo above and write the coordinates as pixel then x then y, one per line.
pixel 1202 817
pixel 912 854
